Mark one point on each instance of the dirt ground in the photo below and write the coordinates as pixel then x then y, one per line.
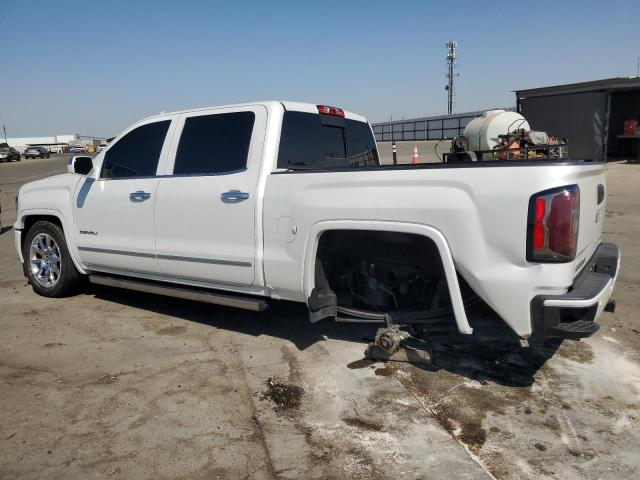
pixel 116 384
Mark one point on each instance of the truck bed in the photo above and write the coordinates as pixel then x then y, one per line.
pixel 480 208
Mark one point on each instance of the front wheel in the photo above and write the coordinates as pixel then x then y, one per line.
pixel 48 264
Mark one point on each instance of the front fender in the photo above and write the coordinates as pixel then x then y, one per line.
pixel 67 228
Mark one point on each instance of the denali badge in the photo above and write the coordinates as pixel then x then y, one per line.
pixel 599 214
pixel 88 232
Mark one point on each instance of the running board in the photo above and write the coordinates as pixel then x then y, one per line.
pixel 216 298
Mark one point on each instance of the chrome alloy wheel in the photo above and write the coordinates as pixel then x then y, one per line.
pixel 44 260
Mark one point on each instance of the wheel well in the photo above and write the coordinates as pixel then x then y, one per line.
pixel 31 220
pixel 383 270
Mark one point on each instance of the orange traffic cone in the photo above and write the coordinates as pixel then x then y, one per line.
pixel 416 157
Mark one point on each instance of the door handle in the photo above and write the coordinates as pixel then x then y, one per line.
pixel 234 196
pixel 139 196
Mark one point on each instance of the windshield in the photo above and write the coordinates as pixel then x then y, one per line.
pixel 311 141
pixel 4 150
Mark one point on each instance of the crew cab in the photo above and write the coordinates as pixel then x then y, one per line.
pixel 239 204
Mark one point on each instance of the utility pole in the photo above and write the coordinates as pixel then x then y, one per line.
pixel 638 67
pixel 451 73
pixel 5 133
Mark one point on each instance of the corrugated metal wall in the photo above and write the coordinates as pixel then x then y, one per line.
pixel 578 117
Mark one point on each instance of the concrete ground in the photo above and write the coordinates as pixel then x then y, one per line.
pixel 119 385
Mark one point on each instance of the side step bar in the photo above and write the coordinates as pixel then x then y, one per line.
pixel 216 298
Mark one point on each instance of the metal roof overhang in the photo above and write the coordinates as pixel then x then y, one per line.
pixel 618 83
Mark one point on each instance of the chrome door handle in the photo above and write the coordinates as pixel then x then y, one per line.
pixel 234 196
pixel 139 196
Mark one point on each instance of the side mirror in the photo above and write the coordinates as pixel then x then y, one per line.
pixel 80 164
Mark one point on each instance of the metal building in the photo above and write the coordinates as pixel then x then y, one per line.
pixel 591 115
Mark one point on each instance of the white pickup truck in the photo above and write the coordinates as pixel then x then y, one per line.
pixel 240 204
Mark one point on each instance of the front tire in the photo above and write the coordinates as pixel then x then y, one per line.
pixel 48 264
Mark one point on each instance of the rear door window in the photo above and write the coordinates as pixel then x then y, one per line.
pixel 308 142
pixel 137 153
pixel 214 144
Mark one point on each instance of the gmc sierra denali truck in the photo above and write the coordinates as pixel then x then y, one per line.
pixel 236 205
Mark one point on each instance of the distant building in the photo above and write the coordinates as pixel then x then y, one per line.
pixel 591 115
pixel 55 143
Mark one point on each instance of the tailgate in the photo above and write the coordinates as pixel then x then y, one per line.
pixel 592 185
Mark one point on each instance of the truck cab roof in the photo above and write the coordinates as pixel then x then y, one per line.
pixel 269 104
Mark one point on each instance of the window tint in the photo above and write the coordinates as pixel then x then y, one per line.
pixel 306 143
pixel 361 145
pixel 137 153
pixel 214 143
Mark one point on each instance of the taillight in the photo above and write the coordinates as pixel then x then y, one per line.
pixel 554 217
pixel 538 226
pixel 325 110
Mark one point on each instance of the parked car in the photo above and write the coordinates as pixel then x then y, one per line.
pixel 9 154
pixel 288 200
pixel 33 152
pixel 77 149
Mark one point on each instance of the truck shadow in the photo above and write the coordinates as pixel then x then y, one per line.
pixel 492 354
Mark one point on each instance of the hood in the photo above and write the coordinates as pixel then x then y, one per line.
pixel 62 180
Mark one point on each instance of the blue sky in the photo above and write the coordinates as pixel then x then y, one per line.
pixel 95 67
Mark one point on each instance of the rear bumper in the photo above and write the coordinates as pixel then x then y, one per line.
pixel 574 314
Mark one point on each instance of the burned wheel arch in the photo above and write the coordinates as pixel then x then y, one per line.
pixel 381 267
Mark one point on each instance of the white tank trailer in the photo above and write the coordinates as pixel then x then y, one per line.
pixel 482 132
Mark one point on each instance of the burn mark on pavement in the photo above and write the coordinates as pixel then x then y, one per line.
pixel 286 397
pixel 576 351
pixel 362 363
pixel 106 380
pixel 384 371
pixel 364 424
